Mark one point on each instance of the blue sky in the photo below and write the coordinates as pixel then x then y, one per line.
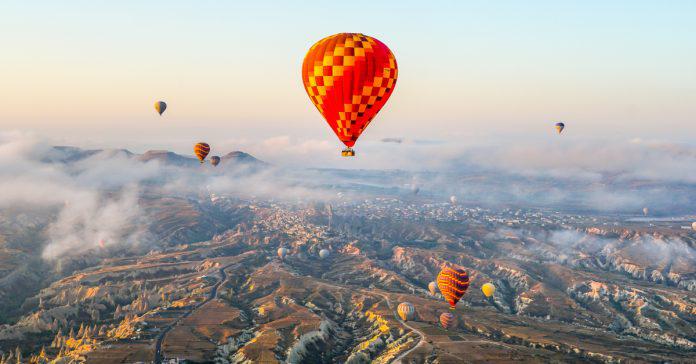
pixel 89 71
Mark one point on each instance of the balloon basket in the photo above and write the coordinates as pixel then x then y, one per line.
pixel 348 152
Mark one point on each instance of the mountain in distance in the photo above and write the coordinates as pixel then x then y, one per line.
pixel 168 158
pixel 69 154
pixel 241 158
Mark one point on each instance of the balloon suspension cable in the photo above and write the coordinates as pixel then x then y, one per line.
pixel 348 152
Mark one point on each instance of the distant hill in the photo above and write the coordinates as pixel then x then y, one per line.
pixel 240 157
pixel 167 157
pixel 68 154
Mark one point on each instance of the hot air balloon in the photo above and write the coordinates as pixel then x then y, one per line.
pixel 415 189
pixel 693 225
pixel 160 106
pixel 559 127
pixel 453 283
pixel 406 311
pixel 488 289
pixel 448 320
pixel 324 253
pixel 215 160
pixel 453 200
pixel 282 252
pixel 645 211
pixel 201 150
pixel 349 77
pixel 432 287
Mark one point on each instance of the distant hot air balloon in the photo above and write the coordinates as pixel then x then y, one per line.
pixel 349 77
pixel 559 127
pixel 324 253
pixel 160 106
pixel 415 189
pixel 693 225
pixel 406 311
pixel 453 283
pixel 448 320
pixel 488 289
pixel 432 287
pixel 645 211
pixel 282 252
pixel 215 160
pixel 453 200
pixel 201 150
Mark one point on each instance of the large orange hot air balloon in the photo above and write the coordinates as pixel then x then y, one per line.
pixel 201 150
pixel 349 77
pixel 453 283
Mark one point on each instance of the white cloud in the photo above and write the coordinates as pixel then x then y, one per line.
pixel 96 198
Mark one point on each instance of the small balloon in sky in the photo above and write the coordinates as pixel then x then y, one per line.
pixel 160 106
pixel 201 150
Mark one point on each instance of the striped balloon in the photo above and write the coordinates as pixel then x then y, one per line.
pixel 448 320
pixel 201 150
pixel 453 283
pixel 406 311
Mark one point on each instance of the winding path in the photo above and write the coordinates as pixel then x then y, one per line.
pixel 421 342
pixel 211 296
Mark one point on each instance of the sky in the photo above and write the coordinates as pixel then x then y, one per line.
pixel 87 73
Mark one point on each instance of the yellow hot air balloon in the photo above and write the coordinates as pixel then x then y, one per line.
pixel 160 106
pixel 488 289
pixel 406 311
